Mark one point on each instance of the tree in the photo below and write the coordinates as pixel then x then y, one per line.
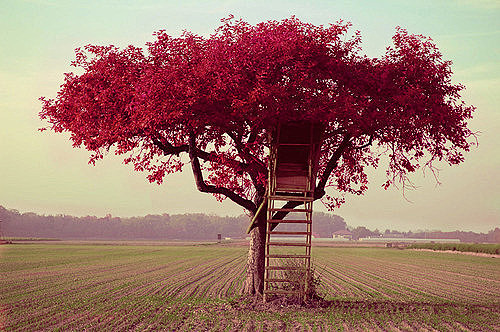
pixel 360 232
pixel 494 235
pixel 213 103
pixel 326 224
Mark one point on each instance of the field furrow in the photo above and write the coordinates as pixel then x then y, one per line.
pixel 410 280
pixel 196 287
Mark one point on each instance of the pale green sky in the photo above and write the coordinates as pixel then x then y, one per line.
pixel 41 172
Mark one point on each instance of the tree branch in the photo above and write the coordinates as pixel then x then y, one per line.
pixel 252 165
pixel 169 149
pixel 252 137
pixel 331 165
pixel 370 141
pixel 249 158
pixel 203 187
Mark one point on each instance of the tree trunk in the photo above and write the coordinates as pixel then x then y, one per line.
pixel 254 282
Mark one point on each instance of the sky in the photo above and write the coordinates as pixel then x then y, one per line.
pixel 42 173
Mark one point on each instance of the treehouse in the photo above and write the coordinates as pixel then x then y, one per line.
pixel 293 166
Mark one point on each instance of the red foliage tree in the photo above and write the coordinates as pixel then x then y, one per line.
pixel 216 99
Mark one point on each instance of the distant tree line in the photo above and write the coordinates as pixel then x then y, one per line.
pixel 492 236
pixel 194 226
pixel 191 226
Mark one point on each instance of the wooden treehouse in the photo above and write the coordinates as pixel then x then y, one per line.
pixel 292 175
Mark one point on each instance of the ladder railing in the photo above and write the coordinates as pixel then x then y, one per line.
pixel 288 259
pixel 288 252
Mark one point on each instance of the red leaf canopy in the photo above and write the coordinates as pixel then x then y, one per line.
pixel 216 99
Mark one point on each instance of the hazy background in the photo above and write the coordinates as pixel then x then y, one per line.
pixel 41 172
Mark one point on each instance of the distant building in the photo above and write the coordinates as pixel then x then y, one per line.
pixel 342 234
pixel 407 240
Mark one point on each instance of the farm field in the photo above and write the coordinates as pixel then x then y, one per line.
pixel 195 287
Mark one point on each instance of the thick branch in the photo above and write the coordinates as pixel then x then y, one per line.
pixel 331 165
pixel 203 187
pixel 169 149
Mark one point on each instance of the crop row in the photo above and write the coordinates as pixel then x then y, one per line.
pixel 109 279
pixel 355 274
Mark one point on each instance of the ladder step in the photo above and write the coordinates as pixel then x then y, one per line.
pixel 291 198
pixel 290 210
pixel 294 192
pixel 289 221
pixel 285 268
pixel 288 244
pixel 289 233
pixel 287 256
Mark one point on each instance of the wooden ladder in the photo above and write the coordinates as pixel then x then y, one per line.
pixel 288 252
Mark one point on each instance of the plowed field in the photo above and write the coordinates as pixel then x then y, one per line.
pixel 195 287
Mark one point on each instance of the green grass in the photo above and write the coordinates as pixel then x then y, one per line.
pixel 486 248
pixel 150 287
